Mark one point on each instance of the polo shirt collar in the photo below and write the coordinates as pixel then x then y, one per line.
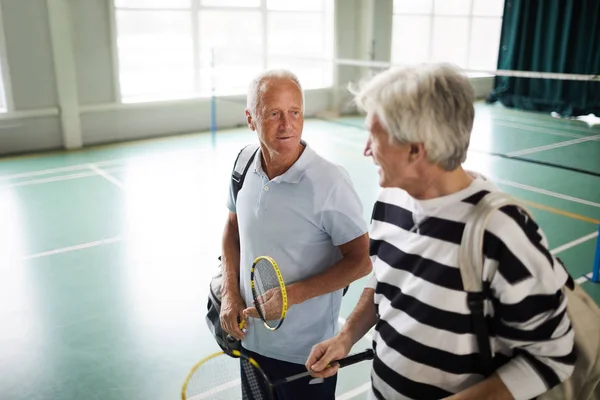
pixel 296 171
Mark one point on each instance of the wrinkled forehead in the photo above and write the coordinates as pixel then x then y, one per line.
pixel 279 89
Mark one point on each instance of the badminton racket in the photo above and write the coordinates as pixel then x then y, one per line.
pixel 221 376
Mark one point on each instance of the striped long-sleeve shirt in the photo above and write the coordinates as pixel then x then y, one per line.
pixel 425 343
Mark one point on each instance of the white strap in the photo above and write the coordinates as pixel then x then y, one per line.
pixel 471 247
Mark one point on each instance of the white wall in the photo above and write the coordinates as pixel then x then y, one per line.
pixel 35 122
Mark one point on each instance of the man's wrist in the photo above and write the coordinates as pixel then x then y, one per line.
pixel 295 294
pixel 346 338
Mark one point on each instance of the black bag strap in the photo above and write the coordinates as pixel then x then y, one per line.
pixel 242 163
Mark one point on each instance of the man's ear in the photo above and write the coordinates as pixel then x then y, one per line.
pixel 250 121
pixel 416 152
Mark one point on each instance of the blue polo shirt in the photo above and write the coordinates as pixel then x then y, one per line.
pixel 298 218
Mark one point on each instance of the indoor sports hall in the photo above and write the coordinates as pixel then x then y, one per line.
pixel 120 121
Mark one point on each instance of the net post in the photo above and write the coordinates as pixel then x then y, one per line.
pixel 596 266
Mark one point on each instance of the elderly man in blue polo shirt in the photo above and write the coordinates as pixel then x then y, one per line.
pixel 303 211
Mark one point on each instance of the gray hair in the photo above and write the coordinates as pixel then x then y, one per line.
pixel 429 103
pixel 259 85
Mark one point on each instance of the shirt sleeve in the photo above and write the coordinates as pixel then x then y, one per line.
pixel 531 309
pixel 230 198
pixel 342 213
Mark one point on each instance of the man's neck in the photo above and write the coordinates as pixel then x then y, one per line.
pixel 276 164
pixel 442 183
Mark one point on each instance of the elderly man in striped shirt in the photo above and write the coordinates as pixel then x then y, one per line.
pixel 420 121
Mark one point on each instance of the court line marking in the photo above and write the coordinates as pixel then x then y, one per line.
pixel 58 178
pixel 76 247
pixel 583 278
pixel 59 169
pixel 552 146
pixel 540 129
pixel 107 176
pixel 544 191
pixel 217 389
pixel 550 122
pixel 559 211
pixel 514 184
pixel 574 243
pixel 355 392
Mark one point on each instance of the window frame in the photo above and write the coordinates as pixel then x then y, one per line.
pixel 5 81
pixel 431 16
pixel 195 9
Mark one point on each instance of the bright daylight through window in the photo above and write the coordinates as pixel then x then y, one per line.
pixel 463 32
pixel 170 49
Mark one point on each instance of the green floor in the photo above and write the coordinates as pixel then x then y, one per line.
pixel 106 253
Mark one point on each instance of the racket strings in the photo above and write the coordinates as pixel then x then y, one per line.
pixel 227 378
pixel 216 378
pixel 265 279
pixel 254 386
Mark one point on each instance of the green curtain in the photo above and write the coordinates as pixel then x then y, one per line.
pixel 550 36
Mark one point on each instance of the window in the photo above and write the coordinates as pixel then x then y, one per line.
pixel 463 32
pixel 171 49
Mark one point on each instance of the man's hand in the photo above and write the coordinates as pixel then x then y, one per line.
pixel 270 305
pixel 232 307
pixel 324 353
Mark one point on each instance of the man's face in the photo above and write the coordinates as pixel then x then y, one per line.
pixel 396 166
pixel 280 117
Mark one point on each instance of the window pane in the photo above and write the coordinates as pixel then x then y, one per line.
pixel 238 57
pixel 450 40
pixel 303 5
pixel 153 3
pixel 412 6
pixel 231 3
pixel 493 8
pixel 288 34
pixel 452 7
pixel 289 41
pixel 410 40
pixel 313 74
pixel 485 41
pixel 155 53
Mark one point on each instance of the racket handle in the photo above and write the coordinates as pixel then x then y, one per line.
pixel 344 362
pixel 230 338
pixel 353 359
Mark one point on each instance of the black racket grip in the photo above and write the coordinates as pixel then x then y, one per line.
pixel 353 359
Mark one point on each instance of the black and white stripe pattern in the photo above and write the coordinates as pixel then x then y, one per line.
pixel 425 342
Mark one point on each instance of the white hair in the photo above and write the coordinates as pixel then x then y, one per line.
pixel 429 103
pixel 258 86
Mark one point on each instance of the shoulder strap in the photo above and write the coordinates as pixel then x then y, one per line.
pixel 471 267
pixel 471 247
pixel 242 164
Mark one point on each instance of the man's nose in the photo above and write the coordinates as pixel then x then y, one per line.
pixel 285 122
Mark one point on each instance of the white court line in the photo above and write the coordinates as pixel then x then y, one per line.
pixel 107 176
pixel 584 278
pixel 552 146
pixel 546 192
pixel 74 248
pixel 355 392
pixel 61 169
pixel 533 129
pixel 574 243
pixel 217 389
pixel 58 178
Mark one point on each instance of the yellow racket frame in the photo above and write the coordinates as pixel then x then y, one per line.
pixel 232 352
pixel 284 298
